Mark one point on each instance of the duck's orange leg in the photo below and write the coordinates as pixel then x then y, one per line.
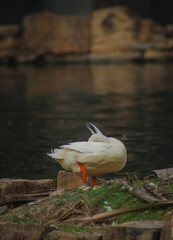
pixel 94 181
pixel 83 171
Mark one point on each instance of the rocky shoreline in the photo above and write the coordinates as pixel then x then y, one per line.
pixel 37 209
pixel 107 35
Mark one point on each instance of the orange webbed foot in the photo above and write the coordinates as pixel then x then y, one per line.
pixel 94 181
pixel 83 171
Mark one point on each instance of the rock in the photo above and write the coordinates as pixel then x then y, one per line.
pixel 145 33
pixel 9 30
pixel 24 186
pixel 115 57
pixel 51 33
pixel 163 173
pixel 58 234
pixel 157 55
pixel 169 44
pixel 10 42
pixel 10 47
pixel 3 209
pixel 167 230
pixel 138 46
pixel 143 230
pixel 108 35
pixel 67 180
pixel 113 30
pixel 14 191
pixel 19 231
pixel 58 192
pixel 169 31
pixel 150 224
pixel 150 31
pixel 164 45
pixel 7 54
pixel 79 58
pixel 26 57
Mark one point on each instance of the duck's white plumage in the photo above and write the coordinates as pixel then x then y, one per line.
pixel 100 154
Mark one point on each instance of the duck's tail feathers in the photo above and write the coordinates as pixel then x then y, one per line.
pixel 96 130
pixel 55 154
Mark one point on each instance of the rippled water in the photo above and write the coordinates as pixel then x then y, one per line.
pixel 42 107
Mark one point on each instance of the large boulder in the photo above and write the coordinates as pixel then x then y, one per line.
pixel 68 180
pixel 14 191
pixel 167 230
pixel 150 31
pixel 10 47
pixel 113 30
pixel 9 30
pixel 19 231
pixel 139 230
pixel 51 33
pixel 24 186
pixel 11 41
pixel 60 235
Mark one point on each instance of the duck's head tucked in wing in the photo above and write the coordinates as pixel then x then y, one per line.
pixel 97 135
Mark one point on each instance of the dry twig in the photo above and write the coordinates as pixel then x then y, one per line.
pixel 106 215
pixel 143 193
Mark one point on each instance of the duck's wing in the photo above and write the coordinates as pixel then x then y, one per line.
pixel 88 147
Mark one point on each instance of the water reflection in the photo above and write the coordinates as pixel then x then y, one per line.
pixel 45 106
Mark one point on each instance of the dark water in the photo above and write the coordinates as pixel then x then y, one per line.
pixel 42 107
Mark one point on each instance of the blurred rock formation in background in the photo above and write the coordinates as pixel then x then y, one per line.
pixel 108 34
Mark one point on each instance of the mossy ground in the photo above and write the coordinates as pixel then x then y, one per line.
pixel 74 228
pixel 113 196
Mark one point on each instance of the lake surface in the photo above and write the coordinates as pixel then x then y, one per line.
pixel 42 107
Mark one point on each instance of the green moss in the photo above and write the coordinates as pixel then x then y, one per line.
pixel 170 189
pixel 74 228
pixel 71 196
pixel 154 214
pixel 27 218
pixel 114 196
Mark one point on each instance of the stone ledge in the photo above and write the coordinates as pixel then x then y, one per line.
pixel 24 186
pixel 147 230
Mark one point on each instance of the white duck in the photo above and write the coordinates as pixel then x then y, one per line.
pixel 98 155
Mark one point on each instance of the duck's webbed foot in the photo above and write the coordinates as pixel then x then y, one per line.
pixel 83 171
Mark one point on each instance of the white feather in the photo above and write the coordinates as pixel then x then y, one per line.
pixel 100 154
pixel 87 147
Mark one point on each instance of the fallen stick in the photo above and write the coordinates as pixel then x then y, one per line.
pixel 142 193
pixel 105 215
